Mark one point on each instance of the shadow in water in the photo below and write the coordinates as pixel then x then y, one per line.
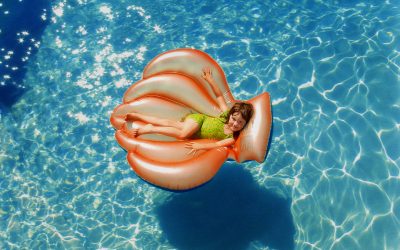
pixel 227 213
pixel 21 29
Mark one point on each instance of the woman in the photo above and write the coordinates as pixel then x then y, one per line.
pixel 224 128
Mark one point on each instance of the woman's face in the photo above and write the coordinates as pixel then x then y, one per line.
pixel 236 122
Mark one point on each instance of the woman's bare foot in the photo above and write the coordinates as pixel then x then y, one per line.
pixel 132 132
pixel 145 129
pixel 139 131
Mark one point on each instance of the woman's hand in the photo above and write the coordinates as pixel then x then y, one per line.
pixel 195 147
pixel 207 74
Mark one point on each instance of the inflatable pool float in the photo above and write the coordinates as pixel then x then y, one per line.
pixel 172 87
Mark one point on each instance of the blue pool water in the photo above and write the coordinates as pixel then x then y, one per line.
pixel 331 179
pixel 21 26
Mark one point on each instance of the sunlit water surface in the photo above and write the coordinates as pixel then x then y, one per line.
pixel 331 178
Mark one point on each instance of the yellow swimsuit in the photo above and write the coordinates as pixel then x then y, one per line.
pixel 210 127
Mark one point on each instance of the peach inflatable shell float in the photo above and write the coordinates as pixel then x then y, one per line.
pixel 172 87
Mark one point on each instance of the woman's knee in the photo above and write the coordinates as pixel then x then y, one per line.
pixel 185 135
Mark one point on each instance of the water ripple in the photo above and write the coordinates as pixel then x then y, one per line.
pixel 332 70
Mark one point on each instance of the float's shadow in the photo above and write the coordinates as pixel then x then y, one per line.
pixel 227 213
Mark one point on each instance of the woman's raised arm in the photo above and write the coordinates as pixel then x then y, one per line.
pixel 207 75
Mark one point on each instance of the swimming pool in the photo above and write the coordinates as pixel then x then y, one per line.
pixel 331 177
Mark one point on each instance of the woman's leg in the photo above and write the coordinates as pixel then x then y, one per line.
pixel 189 127
pixel 154 120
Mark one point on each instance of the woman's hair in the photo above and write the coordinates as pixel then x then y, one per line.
pixel 245 109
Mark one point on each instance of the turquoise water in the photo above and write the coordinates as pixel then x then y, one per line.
pixel 331 178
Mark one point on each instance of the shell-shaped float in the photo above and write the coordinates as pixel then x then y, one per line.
pixel 172 87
